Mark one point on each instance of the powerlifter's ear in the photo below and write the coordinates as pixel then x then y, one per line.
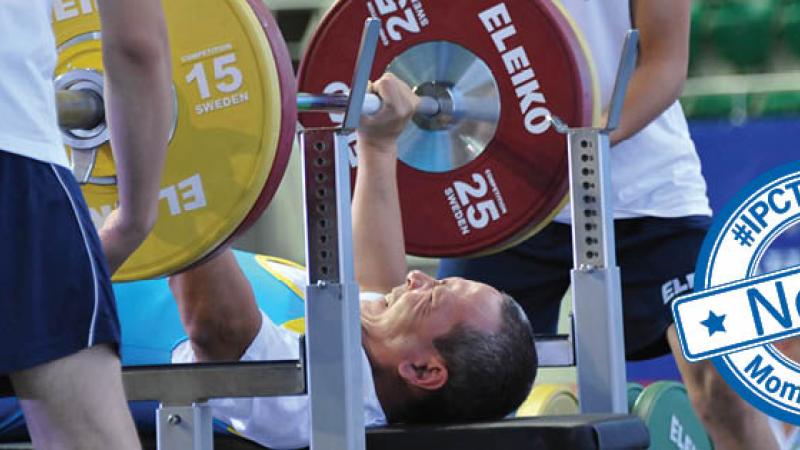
pixel 429 373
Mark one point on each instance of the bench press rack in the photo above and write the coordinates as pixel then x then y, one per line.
pixel 330 365
pixel 596 291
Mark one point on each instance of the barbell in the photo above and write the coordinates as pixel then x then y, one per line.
pixel 481 169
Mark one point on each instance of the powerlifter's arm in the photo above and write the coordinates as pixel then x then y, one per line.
pixel 378 244
pixel 138 93
pixel 658 80
pixel 215 299
pixel 217 307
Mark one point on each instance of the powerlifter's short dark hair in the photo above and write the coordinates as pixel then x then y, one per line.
pixel 489 374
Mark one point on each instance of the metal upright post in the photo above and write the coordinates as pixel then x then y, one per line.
pixel 333 323
pixel 184 427
pixel 596 290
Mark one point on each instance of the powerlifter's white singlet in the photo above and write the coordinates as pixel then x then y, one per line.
pixel 28 121
pixel 657 171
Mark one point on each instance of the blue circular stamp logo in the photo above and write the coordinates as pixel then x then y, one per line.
pixel 742 310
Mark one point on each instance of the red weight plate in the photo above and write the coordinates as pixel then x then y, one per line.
pixel 582 59
pixel 288 93
pixel 520 180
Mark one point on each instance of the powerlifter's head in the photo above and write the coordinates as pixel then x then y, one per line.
pixel 448 350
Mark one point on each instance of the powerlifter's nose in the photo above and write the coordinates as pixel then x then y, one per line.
pixel 417 279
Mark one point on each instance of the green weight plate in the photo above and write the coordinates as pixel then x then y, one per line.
pixel 634 390
pixel 665 408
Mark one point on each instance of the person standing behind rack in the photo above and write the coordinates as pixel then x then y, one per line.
pixel 58 324
pixel 661 211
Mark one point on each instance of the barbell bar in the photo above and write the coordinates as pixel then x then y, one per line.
pixel 82 109
pixel 428 106
pixel 79 109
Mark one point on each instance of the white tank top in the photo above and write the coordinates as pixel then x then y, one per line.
pixel 657 171
pixel 28 120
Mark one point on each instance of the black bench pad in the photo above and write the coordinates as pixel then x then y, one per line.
pixel 589 432
pixel 557 432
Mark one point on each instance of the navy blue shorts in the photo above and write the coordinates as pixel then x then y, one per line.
pixel 656 257
pixel 55 290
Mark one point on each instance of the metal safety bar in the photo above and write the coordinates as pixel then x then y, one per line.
pixel 182 384
pixel 183 418
pixel 555 350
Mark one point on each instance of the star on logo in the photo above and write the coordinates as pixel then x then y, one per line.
pixel 714 323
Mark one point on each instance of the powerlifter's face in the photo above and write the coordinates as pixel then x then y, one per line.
pixel 414 314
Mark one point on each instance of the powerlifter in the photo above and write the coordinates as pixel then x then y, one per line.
pixel 435 351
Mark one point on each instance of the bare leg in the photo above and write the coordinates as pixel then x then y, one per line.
pixel 217 308
pixel 77 403
pixel 732 422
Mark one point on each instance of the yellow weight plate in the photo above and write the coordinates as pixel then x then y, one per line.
pixel 227 128
pixel 549 400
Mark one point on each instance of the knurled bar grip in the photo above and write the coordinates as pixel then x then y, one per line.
pixel 460 108
pixel 428 106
